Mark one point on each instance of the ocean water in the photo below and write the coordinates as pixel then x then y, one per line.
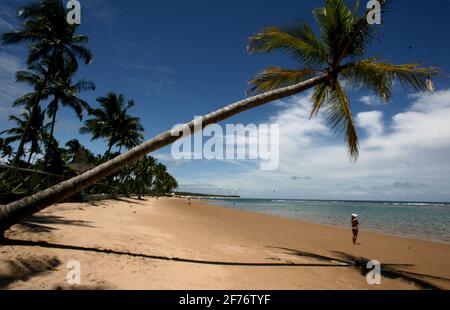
pixel 427 221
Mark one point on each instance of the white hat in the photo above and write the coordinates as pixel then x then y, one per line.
pixel 354 215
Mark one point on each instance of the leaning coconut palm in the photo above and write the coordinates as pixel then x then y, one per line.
pixel 44 27
pixel 339 48
pixel 337 53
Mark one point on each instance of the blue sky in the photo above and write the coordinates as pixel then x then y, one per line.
pixel 179 59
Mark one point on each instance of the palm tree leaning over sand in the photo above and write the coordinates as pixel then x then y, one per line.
pixel 339 50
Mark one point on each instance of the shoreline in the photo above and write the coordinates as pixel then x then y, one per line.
pixel 438 241
pixel 407 236
pixel 168 244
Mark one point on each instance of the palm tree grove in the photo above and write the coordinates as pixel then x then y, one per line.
pixel 325 61
pixel 56 51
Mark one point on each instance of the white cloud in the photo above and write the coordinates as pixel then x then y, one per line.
pixel 370 100
pixel 372 122
pixel 206 189
pixel 409 159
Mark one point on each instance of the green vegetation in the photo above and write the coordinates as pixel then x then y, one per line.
pixel 33 156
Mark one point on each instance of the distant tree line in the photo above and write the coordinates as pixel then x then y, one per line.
pixel 187 194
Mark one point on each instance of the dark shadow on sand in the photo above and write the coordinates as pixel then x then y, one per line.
pixel 132 201
pixel 43 244
pixel 39 223
pixel 25 269
pixel 390 271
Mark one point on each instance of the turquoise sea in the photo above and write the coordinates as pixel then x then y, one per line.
pixel 428 221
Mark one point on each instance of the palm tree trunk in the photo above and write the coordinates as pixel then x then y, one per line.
pixel 50 147
pixel 29 157
pixel 52 129
pixel 36 103
pixel 109 150
pixel 20 151
pixel 13 213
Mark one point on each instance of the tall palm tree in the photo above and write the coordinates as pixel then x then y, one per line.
pixel 169 183
pixel 145 174
pixel 44 27
pixel 112 122
pixel 34 77
pixel 60 89
pixel 160 175
pixel 164 182
pixel 36 132
pixel 341 45
pixel 132 135
pixel 64 91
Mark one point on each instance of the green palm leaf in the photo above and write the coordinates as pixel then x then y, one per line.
pixel 379 76
pixel 300 42
pixel 341 118
pixel 274 78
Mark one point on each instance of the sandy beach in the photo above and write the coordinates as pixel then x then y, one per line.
pixel 169 244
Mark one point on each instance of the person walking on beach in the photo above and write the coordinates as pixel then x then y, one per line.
pixel 355 227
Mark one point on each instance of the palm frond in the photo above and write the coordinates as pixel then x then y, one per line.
pixel 28 78
pixel 274 78
pixel 335 21
pixel 379 76
pixel 83 85
pixel 82 52
pixel 300 42
pixel 319 97
pixel 341 118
